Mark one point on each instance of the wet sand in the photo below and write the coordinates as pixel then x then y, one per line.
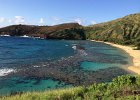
pixel 135 54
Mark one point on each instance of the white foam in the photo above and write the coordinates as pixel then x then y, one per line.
pixel 83 53
pixel 36 66
pixel 6 71
pixel 74 47
pixel 5 35
pixel 24 36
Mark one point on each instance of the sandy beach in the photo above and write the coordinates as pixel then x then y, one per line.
pixel 135 54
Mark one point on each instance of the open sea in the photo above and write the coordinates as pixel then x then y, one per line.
pixel 28 64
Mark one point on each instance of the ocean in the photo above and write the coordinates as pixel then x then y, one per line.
pixel 29 64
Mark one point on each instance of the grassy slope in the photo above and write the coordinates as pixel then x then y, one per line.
pixel 121 88
pixel 124 30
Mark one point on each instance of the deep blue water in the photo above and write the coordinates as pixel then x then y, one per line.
pixel 18 54
pixel 20 51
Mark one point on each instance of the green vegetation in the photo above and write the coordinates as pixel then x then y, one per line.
pixel 124 87
pixel 124 31
pixel 67 31
pixel 69 34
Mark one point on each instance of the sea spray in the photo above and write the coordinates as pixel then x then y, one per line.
pixel 6 71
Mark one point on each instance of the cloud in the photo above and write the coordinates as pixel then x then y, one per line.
pixel 2 19
pixel 79 20
pixel 41 21
pixel 56 18
pixel 19 20
pixel 93 22
pixel 10 20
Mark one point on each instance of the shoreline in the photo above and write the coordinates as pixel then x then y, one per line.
pixel 134 54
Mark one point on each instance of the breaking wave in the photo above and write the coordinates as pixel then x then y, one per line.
pixel 5 35
pixel 6 71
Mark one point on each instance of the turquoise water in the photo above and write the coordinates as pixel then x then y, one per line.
pixel 28 64
pixel 18 84
pixel 96 66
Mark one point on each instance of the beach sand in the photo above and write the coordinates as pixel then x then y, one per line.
pixel 135 54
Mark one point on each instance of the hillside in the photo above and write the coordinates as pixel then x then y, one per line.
pixel 121 88
pixel 124 31
pixel 61 31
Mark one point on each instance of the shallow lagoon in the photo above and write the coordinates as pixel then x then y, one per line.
pixel 40 65
pixel 96 66
pixel 15 85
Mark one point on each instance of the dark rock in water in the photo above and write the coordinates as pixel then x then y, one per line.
pixel 48 87
pixel 80 47
pixel 79 77
pixel 59 82
pixel 37 81
pixel 64 67
pixel 68 70
pixel 21 82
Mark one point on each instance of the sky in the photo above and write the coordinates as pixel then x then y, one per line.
pixel 52 12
